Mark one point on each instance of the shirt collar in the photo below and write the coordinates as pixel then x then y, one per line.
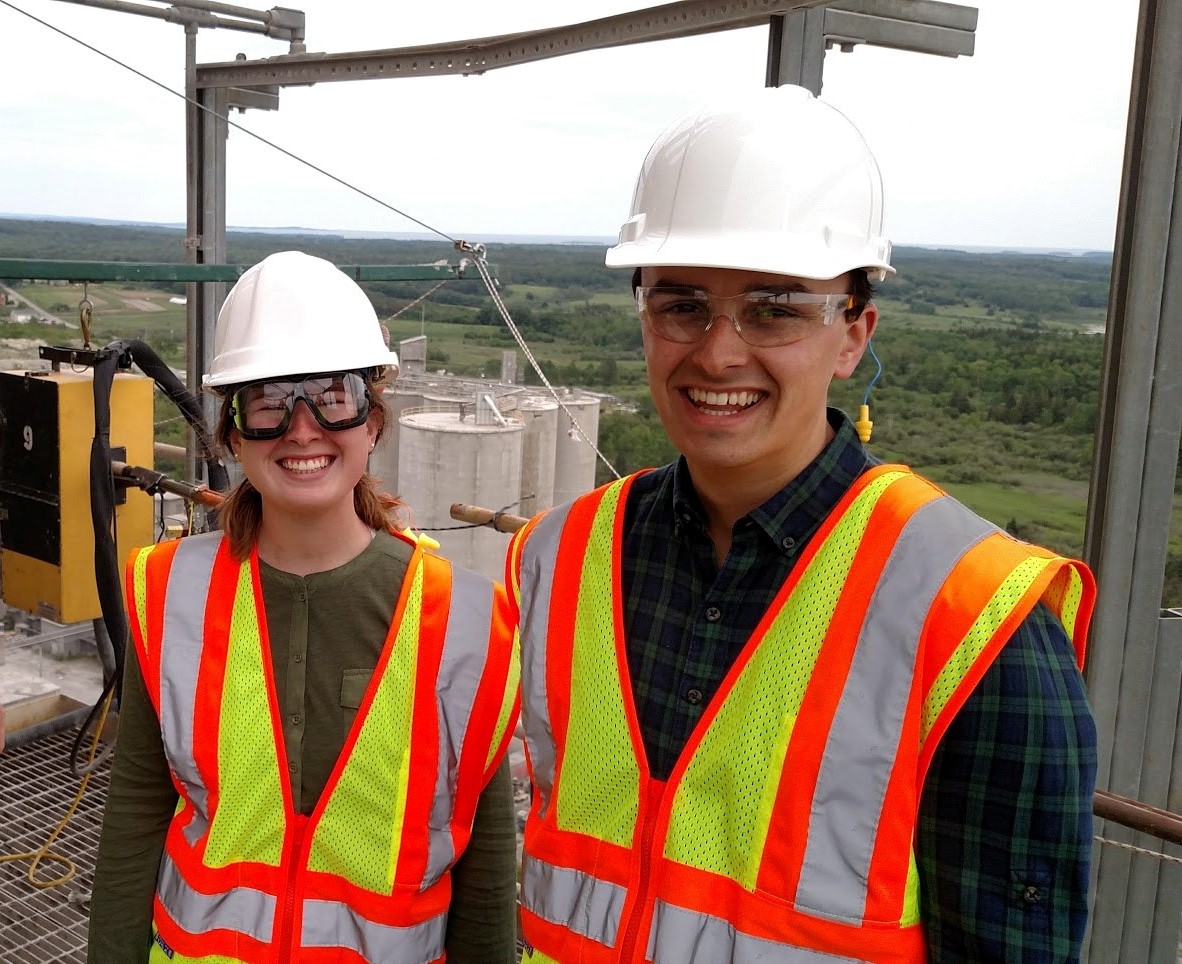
pixel 795 512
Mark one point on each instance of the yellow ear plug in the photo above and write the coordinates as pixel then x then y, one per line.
pixel 421 538
pixel 863 424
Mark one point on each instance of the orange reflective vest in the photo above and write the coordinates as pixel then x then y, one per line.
pixel 365 877
pixel 785 831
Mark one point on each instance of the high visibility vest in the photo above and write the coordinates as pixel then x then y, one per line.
pixel 366 876
pixel 785 831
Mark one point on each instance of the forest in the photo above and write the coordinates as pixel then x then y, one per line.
pixel 990 362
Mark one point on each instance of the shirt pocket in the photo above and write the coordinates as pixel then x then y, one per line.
pixel 354 683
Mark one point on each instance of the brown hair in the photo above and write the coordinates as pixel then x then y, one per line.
pixel 241 514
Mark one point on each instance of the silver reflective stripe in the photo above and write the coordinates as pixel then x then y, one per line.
pixel 239 909
pixel 680 936
pixel 864 738
pixel 537 584
pixel 180 657
pixel 330 924
pixel 583 904
pixel 461 668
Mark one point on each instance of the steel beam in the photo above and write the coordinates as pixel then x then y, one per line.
pixel 1133 669
pixel 685 18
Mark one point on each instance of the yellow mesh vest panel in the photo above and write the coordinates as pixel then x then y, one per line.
pixel 1064 595
pixel 248 823
pixel 961 661
pixel 507 700
pixel 598 790
pixel 911 894
pixel 724 800
pixel 360 830
pixel 139 569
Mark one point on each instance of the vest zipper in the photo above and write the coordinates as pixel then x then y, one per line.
pixel 295 862
pixel 654 794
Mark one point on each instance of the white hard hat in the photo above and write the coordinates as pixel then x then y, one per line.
pixel 771 179
pixel 293 314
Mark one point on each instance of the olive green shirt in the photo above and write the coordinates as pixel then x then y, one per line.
pixel 337 623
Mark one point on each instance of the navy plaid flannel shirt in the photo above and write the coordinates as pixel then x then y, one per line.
pixel 1005 823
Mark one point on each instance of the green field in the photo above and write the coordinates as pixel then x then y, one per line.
pixel 990 377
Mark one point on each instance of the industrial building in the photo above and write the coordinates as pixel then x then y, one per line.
pixel 498 445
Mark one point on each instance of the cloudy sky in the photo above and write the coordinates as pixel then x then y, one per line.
pixel 1018 146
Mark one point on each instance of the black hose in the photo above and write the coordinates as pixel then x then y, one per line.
pixel 106 650
pixel 190 406
pixel 102 508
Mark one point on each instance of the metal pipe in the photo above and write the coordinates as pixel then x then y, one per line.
pixel 1154 821
pixel 148 479
pixel 163 450
pixel 50 727
pixel 197 13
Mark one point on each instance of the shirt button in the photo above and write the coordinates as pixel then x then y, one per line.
pixel 303 595
pixel 291 768
pixel 1032 895
pixel 299 657
pixel 694 696
pixel 296 718
pixel 713 614
pixel 788 543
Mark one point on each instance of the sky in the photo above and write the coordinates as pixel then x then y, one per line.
pixel 1018 146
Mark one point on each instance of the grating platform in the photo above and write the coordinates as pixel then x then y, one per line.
pixel 36 789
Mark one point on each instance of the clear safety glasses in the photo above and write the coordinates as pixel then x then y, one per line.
pixel 263 410
pixel 763 319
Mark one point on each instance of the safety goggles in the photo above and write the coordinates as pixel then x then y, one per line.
pixel 763 319
pixel 263 410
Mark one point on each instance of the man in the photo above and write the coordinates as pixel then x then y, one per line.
pixel 782 703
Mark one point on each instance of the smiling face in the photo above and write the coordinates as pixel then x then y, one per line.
pixel 753 416
pixel 309 471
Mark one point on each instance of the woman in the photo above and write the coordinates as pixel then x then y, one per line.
pixel 311 749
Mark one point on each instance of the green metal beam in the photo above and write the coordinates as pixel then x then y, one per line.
pixel 29 269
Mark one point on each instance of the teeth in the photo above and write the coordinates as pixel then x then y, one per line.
pixel 305 465
pixel 727 399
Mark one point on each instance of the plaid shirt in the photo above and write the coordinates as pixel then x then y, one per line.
pixel 1005 822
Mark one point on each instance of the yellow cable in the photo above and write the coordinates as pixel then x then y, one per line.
pixel 44 853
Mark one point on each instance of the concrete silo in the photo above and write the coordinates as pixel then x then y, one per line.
pixel 471 456
pixel 383 460
pixel 574 459
pixel 539 415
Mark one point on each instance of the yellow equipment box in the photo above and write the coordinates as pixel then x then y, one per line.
pixel 46 533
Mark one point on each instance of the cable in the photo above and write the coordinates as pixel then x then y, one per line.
pixel 877 374
pixel 245 130
pixel 44 853
pixel 863 425
pixel 421 297
pixel 478 252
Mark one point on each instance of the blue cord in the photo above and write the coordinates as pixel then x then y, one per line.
pixel 870 348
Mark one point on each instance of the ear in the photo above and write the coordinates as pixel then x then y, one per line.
pixel 234 443
pixel 856 337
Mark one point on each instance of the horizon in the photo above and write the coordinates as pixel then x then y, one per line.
pixel 509 238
